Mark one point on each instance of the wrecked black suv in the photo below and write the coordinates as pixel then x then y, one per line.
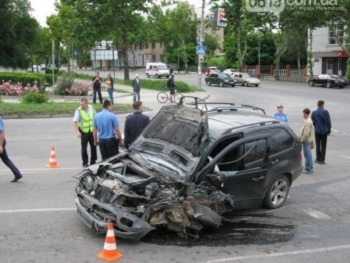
pixel 187 169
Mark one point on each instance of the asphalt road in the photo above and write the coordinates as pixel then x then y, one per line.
pixel 39 222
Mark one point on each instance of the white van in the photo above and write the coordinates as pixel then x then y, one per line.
pixel 157 70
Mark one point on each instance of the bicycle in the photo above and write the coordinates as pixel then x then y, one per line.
pixel 163 97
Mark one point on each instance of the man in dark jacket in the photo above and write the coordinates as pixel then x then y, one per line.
pixel 135 124
pixel 322 122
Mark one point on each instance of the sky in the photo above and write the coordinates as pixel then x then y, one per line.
pixel 45 8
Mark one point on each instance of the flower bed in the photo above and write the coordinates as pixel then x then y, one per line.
pixel 8 89
pixel 78 89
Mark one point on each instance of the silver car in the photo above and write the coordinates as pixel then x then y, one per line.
pixel 245 79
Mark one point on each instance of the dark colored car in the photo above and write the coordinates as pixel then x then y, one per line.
pixel 220 79
pixel 329 81
pixel 187 169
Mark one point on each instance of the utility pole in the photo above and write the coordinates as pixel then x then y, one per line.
pixel 53 64
pixel 200 43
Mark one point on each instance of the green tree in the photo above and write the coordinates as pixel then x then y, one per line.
pixel 18 33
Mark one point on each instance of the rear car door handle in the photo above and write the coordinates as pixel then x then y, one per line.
pixel 258 178
pixel 274 162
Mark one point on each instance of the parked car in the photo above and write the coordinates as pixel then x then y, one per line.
pixel 187 169
pixel 245 79
pixel 329 81
pixel 220 79
pixel 230 72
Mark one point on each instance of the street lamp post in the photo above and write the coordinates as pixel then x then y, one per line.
pixel 201 40
pixel 259 59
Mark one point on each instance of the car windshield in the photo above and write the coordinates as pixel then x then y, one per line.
pixel 335 76
pixel 246 75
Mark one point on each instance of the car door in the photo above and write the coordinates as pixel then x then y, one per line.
pixel 242 167
pixel 246 181
pixel 215 79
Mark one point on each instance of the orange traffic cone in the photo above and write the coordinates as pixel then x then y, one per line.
pixel 110 251
pixel 52 161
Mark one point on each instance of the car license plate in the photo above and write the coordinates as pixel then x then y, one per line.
pixel 87 221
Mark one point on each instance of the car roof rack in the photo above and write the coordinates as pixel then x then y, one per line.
pixel 256 124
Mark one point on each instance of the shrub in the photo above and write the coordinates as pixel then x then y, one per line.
pixel 31 97
pixel 78 89
pixel 65 81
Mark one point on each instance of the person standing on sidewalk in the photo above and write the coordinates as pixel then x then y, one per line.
pixel 83 125
pixel 96 83
pixel 280 115
pixel 106 127
pixel 110 86
pixel 306 136
pixel 3 154
pixel 135 124
pixel 136 88
pixel 323 126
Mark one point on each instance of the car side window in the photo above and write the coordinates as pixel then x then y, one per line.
pixel 240 75
pixel 282 140
pixel 256 152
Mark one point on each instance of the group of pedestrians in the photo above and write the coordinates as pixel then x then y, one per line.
pixel 97 86
pixel 103 129
pixel 315 129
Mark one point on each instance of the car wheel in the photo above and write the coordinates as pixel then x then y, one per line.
pixel 311 83
pixel 221 84
pixel 341 87
pixel 277 192
pixel 245 84
pixel 256 85
pixel 206 215
pixel 209 83
pixel 329 85
pixel 233 85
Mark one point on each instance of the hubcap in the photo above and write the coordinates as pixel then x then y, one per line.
pixel 279 192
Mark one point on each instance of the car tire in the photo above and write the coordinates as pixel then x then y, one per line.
pixel 233 85
pixel 206 216
pixel 341 87
pixel 311 83
pixel 245 84
pixel 277 192
pixel 256 85
pixel 328 85
pixel 221 84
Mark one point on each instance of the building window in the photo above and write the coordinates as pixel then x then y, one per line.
pixel 147 46
pixel 154 58
pixel 336 35
pixel 161 44
pixel 153 45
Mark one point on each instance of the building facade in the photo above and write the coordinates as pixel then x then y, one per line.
pixel 328 55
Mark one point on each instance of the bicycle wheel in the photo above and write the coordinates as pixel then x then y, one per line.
pixel 177 97
pixel 162 97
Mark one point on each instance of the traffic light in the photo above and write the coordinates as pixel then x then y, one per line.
pixel 221 19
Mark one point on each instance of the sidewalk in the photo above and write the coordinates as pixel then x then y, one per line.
pixel 148 97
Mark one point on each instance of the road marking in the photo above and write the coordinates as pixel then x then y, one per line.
pixel 29 170
pixel 37 210
pixel 282 254
pixel 317 214
pixel 344 156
